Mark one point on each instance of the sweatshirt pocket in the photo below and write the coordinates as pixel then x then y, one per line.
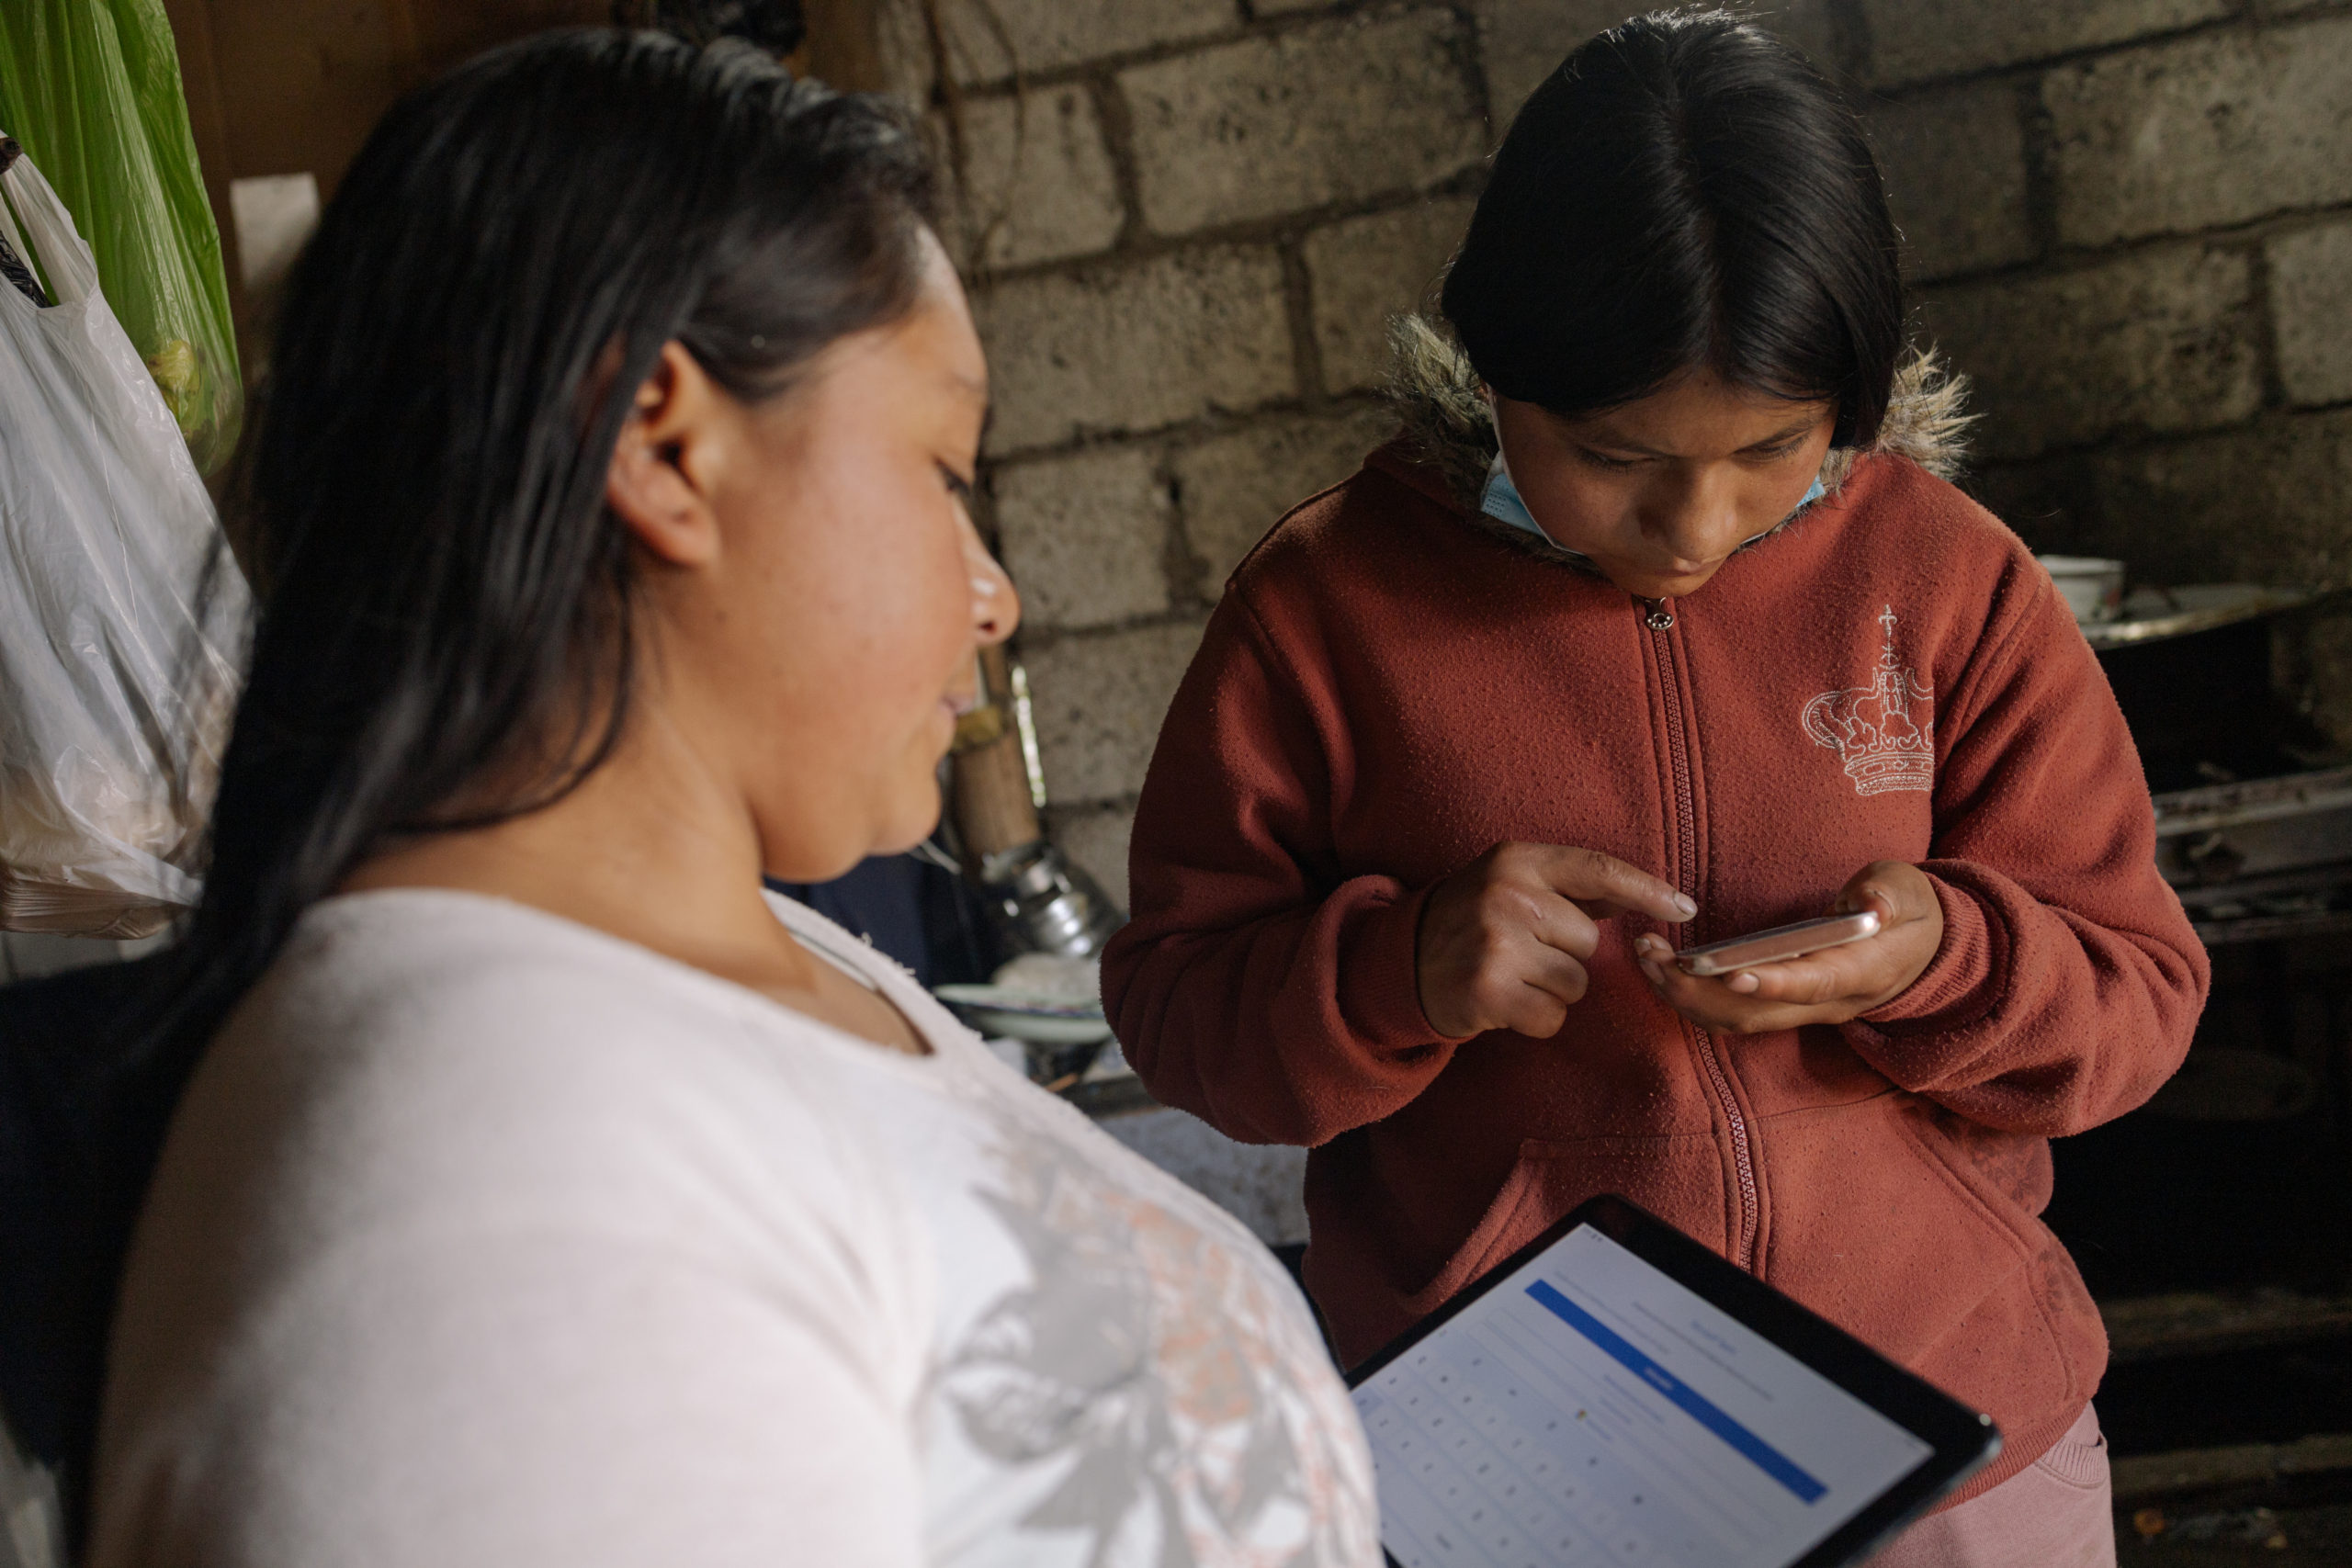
pixel 1882 1227
pixel 2008 1196
pixel 1677 1176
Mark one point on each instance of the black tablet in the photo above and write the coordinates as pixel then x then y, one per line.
pixel 1616 1394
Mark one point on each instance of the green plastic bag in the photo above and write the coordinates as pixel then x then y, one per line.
pixel 91 89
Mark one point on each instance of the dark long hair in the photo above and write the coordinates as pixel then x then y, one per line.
pixel 1684 191
pixel 446 599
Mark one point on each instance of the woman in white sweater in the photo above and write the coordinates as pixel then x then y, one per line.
pixel 540 1192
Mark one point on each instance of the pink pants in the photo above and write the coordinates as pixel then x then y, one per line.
pixel 2058 1512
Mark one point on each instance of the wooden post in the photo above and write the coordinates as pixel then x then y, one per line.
pixel 993 811
pixel 844 47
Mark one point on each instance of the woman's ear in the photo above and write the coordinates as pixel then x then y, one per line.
pixel 659 482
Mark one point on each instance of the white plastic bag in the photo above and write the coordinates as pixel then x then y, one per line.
pixel 122 616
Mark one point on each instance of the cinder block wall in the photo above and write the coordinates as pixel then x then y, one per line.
pixel 2131 222
pixel 1186 223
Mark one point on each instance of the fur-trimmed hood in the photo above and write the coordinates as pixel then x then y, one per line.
pixel 1448 424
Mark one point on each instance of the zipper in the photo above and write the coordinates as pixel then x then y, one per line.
pixel 1659 616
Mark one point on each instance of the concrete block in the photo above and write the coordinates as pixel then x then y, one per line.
pixel 2310 311
pixel 2210 130
pixel 2324 672
pixel 1352 109
pixel 1955 177
pixel 1098 700
pixel 1039 182
pixel 1521 42
pixel 1914 42
pixel 1364 270
pixel 1096 838
pixel 1133 347
pixel 2264 505
pixel 992 40
pixel 1085 538
pixel 1233 488
pixel 902 49
pixel 1262 1185
pixel 2159 341
pixel 1805 25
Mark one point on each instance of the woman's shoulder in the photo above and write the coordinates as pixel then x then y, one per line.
pixel 418 980
pixel 425 1042
pixel 351 951
pixel 428 1082
pixel 452 1057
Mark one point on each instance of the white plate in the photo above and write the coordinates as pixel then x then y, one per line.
pixel 1037 1028
pixel 1027 1015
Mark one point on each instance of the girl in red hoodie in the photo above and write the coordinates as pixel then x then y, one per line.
pixel 1660 624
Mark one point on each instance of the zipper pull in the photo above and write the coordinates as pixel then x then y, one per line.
pixel 1661 614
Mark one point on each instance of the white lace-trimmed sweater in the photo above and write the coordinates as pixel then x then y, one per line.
pixel 483 1238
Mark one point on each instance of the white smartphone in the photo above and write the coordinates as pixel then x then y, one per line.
pixel 1781 942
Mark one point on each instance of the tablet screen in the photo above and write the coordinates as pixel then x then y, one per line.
pixel 1591 1409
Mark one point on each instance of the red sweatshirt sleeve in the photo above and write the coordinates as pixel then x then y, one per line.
pixel 2069 981
pixel 1254 987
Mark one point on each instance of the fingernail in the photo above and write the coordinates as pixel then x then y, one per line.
pixel 1743 981
pixel 1685 903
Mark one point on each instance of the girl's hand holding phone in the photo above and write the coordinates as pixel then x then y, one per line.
pixel 1833 986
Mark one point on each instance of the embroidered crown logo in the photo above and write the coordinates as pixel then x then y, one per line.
pixel 1872 728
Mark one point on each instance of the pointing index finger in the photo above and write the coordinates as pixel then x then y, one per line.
pixel 1602 885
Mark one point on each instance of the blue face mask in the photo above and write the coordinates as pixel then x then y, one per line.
pixel 1501 500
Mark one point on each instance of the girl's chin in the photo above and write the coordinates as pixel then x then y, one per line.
pixel 1649 585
